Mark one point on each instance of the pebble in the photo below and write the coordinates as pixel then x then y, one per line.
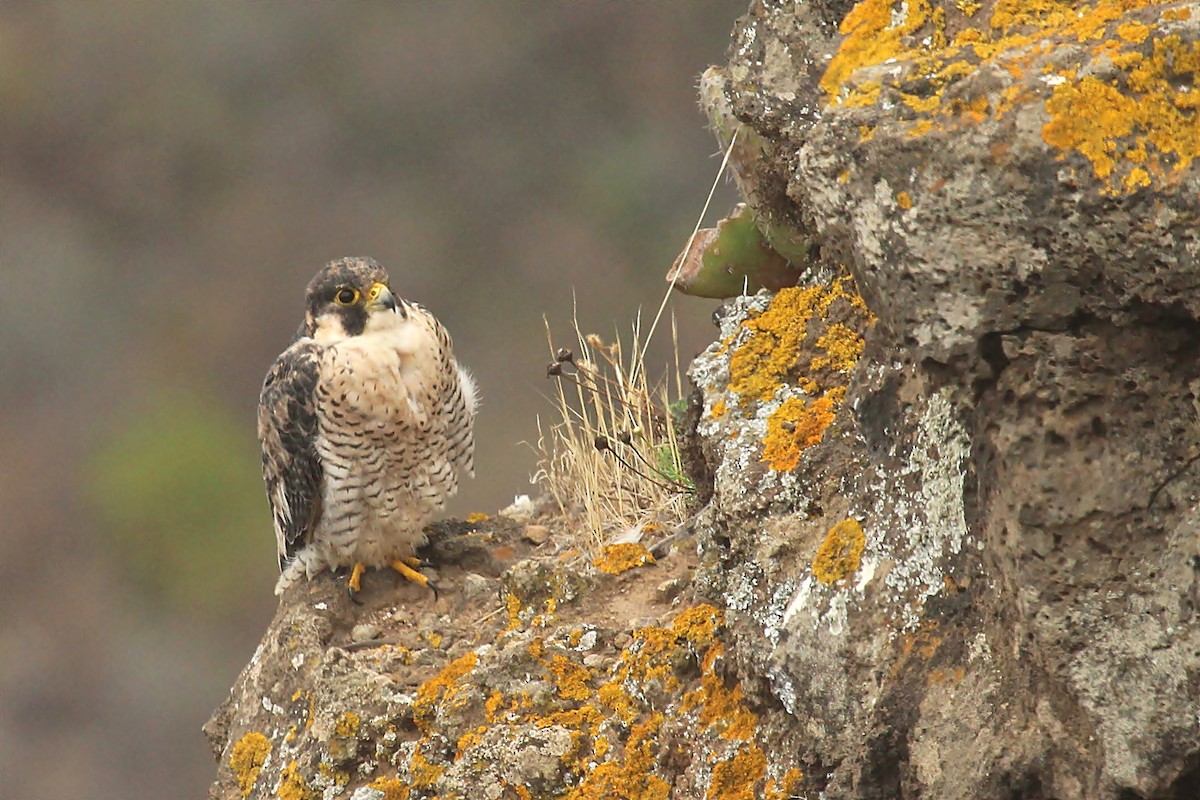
pixel 364 632
pixel 538 534
pixel 594 661
pixel 476 587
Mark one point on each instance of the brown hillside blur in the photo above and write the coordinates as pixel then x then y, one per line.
pixel 171 176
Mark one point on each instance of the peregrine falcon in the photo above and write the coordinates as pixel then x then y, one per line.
pixel 365 422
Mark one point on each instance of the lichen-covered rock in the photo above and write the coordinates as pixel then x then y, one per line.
pixel 572 680
pixel 982 578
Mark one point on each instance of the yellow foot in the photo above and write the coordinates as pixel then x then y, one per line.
pixel 355 582
pixel 405 566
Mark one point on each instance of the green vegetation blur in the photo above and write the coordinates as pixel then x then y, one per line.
pixel 175 488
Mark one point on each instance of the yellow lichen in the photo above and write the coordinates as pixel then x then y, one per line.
pixel 392 788
pixel 775 339
pixel 735 778
pixel 797 425
pixel 698 625
pixel 512 604
pixel 601 746
pixel 1102 116
pixel 843 347
pixel 722 709
pixel 1099 117
pixel 333 776
pixel 476 517
pixel 570 678
pixel 786 787
pixel 422 772
pixel 631 777
pixel 618 558
pixel 870 38
pixel 347 724
pixel 904 199
pixel 718 409
pixel 840 554
pixel 247 758
pixel 442 688
pixel 292 785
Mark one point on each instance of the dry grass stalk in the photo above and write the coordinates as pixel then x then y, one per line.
pixel 611 461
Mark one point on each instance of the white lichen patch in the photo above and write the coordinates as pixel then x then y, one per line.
pixel 922 518
pixel 916 521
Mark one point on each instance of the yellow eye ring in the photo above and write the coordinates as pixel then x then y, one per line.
pixel 346 296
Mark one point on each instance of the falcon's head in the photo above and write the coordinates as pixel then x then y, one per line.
pixel 348 297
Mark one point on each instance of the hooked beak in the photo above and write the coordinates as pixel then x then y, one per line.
pixel 379 298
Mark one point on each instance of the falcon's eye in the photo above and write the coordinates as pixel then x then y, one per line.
pixel 346 297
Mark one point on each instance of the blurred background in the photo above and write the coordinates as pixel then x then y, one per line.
pixel 171 176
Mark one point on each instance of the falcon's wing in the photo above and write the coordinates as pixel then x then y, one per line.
pixel 287 429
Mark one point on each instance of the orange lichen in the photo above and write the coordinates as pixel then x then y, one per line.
pixel 840 554
pixel 476 517
pixel 786 787
pixel 537 648
pixel 904 199
pixel 292 785
pixel 493 705
pixel 1096 116
pixel 347 724
pixel 472 738
pixel 735 778
pixel 776 337
pixel 721 708
pixel 422 772
pixel 718 409
pixel 570 678
pixel 843 347
pixel 631 777
pixel 618 558
pixel 442 688
pixel 392 788
pixel 247 758
pixel 615 727
pixel 797 425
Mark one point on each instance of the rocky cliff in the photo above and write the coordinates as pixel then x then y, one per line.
pixel 950 538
